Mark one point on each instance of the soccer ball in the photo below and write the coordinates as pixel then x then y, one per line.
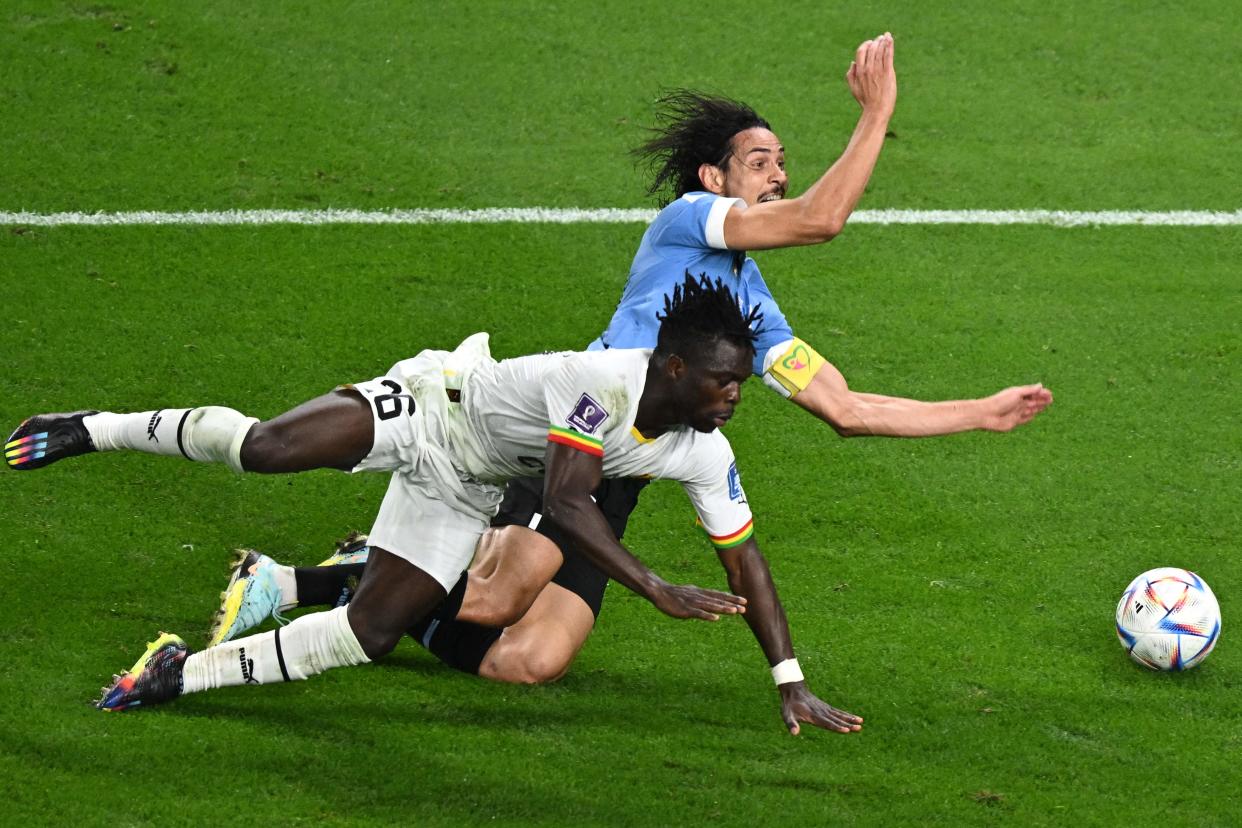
pixel 1168 619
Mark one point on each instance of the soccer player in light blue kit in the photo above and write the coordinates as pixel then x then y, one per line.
pixel 726 170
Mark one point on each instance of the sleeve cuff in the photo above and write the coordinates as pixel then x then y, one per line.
pixel 713 231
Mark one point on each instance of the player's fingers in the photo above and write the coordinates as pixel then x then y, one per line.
pixel 821 716
pixel 714 604
pixel 860 56
pixel 726 597
pixel 844 715
pixel 829 718
pixel 873 54
pixel 851 73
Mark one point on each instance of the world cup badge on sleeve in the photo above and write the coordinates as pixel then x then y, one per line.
pixel 735 484
pixel 587 416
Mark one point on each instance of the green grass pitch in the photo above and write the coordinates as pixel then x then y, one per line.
pixel 957 593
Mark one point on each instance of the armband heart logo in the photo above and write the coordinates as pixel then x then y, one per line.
pixel 798 360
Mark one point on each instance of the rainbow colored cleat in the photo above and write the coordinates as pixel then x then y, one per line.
pixel 45 438
pixel 154 678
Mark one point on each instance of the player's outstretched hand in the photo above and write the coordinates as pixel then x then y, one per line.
pixel 686 601
pixel 871 76
pixel 799 704
pixel 1016 406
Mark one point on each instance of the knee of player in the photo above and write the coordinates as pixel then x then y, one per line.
pixel 376 637
pixel 533 665
pixel 538 554
pixel 263 447
pixel 546 557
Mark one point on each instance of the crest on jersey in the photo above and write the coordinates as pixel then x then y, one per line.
pixel 587 415
pixel 735 484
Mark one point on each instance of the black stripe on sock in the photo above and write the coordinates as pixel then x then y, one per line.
pixel 181 428
pixel 280 656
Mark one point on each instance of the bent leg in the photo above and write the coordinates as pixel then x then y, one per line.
pixel 392 593
pixel 510 568
pixel 543 644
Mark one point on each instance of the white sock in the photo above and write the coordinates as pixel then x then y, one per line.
pixel 150 431
pixel 308 646
pixel 287 583
pixel 210 433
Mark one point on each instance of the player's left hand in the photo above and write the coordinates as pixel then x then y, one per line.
pixel 1015 406
pixel 688 601
pixel 799 704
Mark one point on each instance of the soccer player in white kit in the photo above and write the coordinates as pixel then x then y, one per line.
pixel 452 428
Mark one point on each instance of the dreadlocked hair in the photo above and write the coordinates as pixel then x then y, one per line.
pixel 694 128
pixel 701 312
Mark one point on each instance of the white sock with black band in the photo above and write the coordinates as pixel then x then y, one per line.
pixel 211 433
pixel 308 646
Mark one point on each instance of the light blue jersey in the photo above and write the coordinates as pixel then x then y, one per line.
pixel 688 235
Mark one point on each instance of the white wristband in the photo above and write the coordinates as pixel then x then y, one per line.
pixel 787 672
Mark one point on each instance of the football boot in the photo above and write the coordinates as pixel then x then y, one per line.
pixel 45 438
pixel 155 678
pixel 251 597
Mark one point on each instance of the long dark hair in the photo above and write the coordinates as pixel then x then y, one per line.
pixel 693 128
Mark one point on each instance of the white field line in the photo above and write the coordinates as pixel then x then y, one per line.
pixel 551 215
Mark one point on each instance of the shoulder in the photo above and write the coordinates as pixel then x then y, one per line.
pixel 703 457
pixel 611 379
pixel 703 215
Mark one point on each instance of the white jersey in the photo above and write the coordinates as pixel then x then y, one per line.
pixel 589 401
pixel 449 458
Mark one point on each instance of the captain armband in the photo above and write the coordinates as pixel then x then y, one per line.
pixel 789 366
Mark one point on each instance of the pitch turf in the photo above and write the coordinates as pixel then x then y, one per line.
pixel 958 593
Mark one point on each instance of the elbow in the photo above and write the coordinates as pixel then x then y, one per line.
pixel 847 420
pixel 824 228
pixel 556 509
pixel 849 429
pixel 564 509
pixel 831 229
pixel 818 232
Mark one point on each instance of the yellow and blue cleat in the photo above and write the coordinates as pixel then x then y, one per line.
pixel 45 438
pixel 351 550
pixel 251 597
pixel 154 678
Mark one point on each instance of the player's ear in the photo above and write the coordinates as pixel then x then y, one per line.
pixel 712 177
pixel 675 367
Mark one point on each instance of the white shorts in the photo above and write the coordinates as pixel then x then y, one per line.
pixel 433 513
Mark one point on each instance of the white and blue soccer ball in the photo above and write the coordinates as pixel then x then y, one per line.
pixel 1168 619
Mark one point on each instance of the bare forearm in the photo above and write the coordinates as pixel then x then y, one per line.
pixel 855 414
pixel 821 212
pixel 580 520
pixel 876 415
pixel 828 203
pixel 750 578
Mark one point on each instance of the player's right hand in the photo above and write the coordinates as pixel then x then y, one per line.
pixel 799 704
pixel 686 601
pixel 1012 407
pixel 871 76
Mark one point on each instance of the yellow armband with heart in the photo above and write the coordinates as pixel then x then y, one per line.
pixel 793 369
